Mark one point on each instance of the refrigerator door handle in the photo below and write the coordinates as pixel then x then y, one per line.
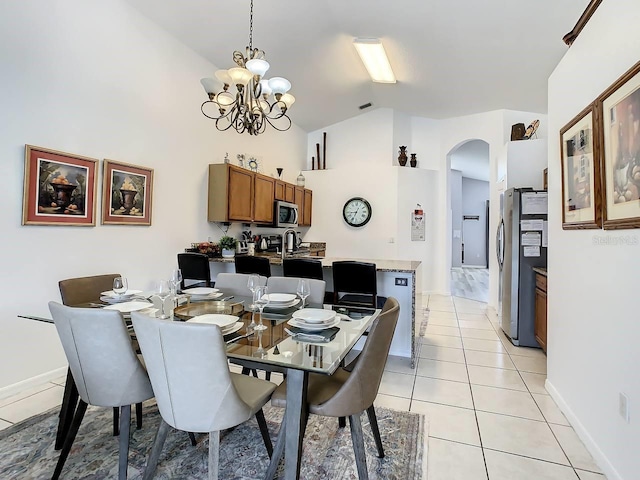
pixel 500 244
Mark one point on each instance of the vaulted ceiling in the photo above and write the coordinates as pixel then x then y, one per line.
pixel 451 57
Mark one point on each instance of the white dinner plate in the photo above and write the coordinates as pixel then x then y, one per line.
pixel 280 297
pixel 313 327
pixel 233 328
pixel 127 294
pixel 128 307
pixel 215 319
pixel 201 298
pixel 200 290
pixel 282 306
pixel 314 315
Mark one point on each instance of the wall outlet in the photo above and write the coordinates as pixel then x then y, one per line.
pixel 403 282
pixel 623 406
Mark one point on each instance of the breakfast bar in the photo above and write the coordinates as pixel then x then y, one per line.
pixel 396 278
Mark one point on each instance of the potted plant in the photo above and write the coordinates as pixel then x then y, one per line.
pixel 228 246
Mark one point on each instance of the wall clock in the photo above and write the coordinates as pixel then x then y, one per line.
pixel 356 212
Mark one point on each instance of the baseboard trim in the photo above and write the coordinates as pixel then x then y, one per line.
pixel 36 381
pixel 598 455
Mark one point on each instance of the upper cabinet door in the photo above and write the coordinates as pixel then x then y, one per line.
pixel 280 190
pixel 264 198
pixel 240 194
pixel 308 202
pixel 289 193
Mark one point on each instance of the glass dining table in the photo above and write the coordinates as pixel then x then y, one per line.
pixel 274 349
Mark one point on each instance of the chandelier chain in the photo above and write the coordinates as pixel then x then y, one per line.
pixel 251 28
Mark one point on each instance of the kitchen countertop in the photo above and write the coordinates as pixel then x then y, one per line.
pixel 540 270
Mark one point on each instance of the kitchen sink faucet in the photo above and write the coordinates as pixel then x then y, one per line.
pixel 284 241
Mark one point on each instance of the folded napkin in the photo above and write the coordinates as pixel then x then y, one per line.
pixel 321 336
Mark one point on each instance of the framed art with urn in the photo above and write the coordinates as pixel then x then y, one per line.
pixel 581 179
pixel 59 188
pixel 126 198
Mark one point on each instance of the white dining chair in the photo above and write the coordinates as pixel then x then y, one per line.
pixel 236 283
pixel 290 285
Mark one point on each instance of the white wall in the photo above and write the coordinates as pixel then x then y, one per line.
pixel 475 194
pixel 593 328
pixel 456 218
pixel 97 79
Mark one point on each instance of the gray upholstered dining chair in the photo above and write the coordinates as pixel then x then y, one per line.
pixel 350 393
pixel 105 368
pixel 290 285
pixel 236 283
pixel 197 392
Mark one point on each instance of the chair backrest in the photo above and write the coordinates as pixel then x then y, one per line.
pixel 353 277
pixel 290 285
pixel 252 264
pixel 302 268
pixel 361 388
pixel 187 365
pixel 194 266
pixel 105 368
pixel 236 283
pixel 76 291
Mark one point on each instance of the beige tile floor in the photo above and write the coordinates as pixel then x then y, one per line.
pixel 490 417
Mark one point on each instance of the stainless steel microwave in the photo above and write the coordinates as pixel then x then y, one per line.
pixel 286 214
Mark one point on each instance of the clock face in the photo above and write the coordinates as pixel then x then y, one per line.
pixel 357 212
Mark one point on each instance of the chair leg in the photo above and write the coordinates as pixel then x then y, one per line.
pixel 262 423
pixel 156 450
pixel 116 421
pixel 373 421
pixel 69 402
pixel 267 375
pixel 214 454
pixel 125 430
pixel 138 416
pixel 192 437
pixel 277 453
pixel 358 446
pixel 71 436
pixel 342 422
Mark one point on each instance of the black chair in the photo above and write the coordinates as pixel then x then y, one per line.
pixel 253 265
pixel 355 284
pixel 194 266
pixel 302 268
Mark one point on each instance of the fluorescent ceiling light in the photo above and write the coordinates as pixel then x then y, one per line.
pixel 375 59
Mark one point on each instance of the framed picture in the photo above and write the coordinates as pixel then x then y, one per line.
pixel 126 197
pixel 59 188
pixel 581 179
pixel 620 111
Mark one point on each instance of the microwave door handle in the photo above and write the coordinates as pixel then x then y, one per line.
pixel 295 215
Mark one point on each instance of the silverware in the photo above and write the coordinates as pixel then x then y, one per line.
pixel 310 336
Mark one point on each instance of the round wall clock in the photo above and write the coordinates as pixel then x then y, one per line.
pixel 357 212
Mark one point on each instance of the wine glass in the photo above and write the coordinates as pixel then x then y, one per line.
pixel 260 352
pixel 261 300
pixel 120 286
pixel 303 290
pixel 252 283
pixel 163 291
pixel 176 279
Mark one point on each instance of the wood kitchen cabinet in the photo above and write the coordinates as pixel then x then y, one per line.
pixel 299 201
pixel 264 195
pixel 306 211
pixel 230 193
pixel 289 193
pixel 279 195
pixel 540 325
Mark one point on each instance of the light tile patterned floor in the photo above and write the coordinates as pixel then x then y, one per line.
pixel 489 416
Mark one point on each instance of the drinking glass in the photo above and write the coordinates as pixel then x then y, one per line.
pixel 252 283
pixel 303 290
pixel 120 285
pixel 163 291
pixel 176 279
pixel 261 300
pixel 260 352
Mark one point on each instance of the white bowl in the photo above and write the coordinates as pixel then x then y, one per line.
pixel 314 315
pixel 200 290
pixel 280 297
pixel 215 319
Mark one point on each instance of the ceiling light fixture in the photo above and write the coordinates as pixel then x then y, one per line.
pixel 242 96
pixel 375 59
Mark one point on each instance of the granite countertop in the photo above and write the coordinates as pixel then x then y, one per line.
pixel 540 270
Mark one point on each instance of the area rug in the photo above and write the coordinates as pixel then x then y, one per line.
pixel 27 449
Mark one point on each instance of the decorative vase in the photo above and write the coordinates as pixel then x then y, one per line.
pixel 300 180
pixel 402 158
pixel 414 160
pixel 228 253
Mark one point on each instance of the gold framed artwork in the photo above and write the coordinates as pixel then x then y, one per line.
pixel 619 108
pixel 127 192
pixel 59 188
pixel 581 179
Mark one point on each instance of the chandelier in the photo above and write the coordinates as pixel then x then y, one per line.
pixel 242 98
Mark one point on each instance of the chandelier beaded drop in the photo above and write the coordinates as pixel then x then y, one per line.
pixel 242 98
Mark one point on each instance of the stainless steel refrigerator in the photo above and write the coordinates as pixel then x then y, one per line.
pixel 521 244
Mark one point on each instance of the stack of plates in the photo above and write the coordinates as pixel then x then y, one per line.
pixel 128 307
pixel 113 297
pixel 227 323
pixel 280 301
pixel 314 319
pixel 203 293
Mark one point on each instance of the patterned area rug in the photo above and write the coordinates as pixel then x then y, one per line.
pixel 27 449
